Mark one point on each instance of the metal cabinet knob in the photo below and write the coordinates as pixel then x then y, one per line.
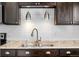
pixel 27 52
pixel 68 52
pixel 48 52
pixel 37 3
pixel 16 21
pixel 7 52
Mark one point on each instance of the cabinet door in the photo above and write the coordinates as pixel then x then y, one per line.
pixel 11 13
pixel 64 13
pixel 75 12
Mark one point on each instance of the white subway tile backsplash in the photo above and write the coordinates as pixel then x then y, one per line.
pixel 46 29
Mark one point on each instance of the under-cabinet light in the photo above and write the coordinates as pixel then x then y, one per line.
pixel 46 15
pixel 28 16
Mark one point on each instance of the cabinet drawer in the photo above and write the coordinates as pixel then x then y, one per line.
pixel 27 53
pixel 69 52
pixel 24 52
pixel 48 52
pixel 7 53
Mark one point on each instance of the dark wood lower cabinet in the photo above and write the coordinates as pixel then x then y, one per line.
pixel 69 52
pixel 39 52
pixel 27 53
pixel 48 53
pixel 8 53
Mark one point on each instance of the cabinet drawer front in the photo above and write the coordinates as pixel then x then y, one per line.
pixel 27 52
pixel 24 52
pixel 7 53
pixel 69 52
pixel 48 52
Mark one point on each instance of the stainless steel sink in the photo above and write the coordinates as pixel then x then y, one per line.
pixel 32 45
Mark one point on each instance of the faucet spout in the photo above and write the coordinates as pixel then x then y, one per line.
pixel 37 40
pixel 33 31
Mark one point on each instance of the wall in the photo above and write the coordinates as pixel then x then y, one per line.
pixel 46 28
pixel 0 13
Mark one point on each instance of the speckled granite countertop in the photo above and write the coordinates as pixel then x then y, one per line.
pixel 56 44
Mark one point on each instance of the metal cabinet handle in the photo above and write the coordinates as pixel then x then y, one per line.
pixel 7 52
pixel 27 52
pixel 68 52
pixel 48 52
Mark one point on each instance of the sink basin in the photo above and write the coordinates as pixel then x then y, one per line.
pixel 41 44
pixel 32 45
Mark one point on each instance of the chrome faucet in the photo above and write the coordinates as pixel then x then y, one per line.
pixel 37 41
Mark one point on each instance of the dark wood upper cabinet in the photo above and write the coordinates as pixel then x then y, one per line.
pixel 67 13
pixel 0 12
pixel 76 13
pixel 64 13
pixel 11 13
